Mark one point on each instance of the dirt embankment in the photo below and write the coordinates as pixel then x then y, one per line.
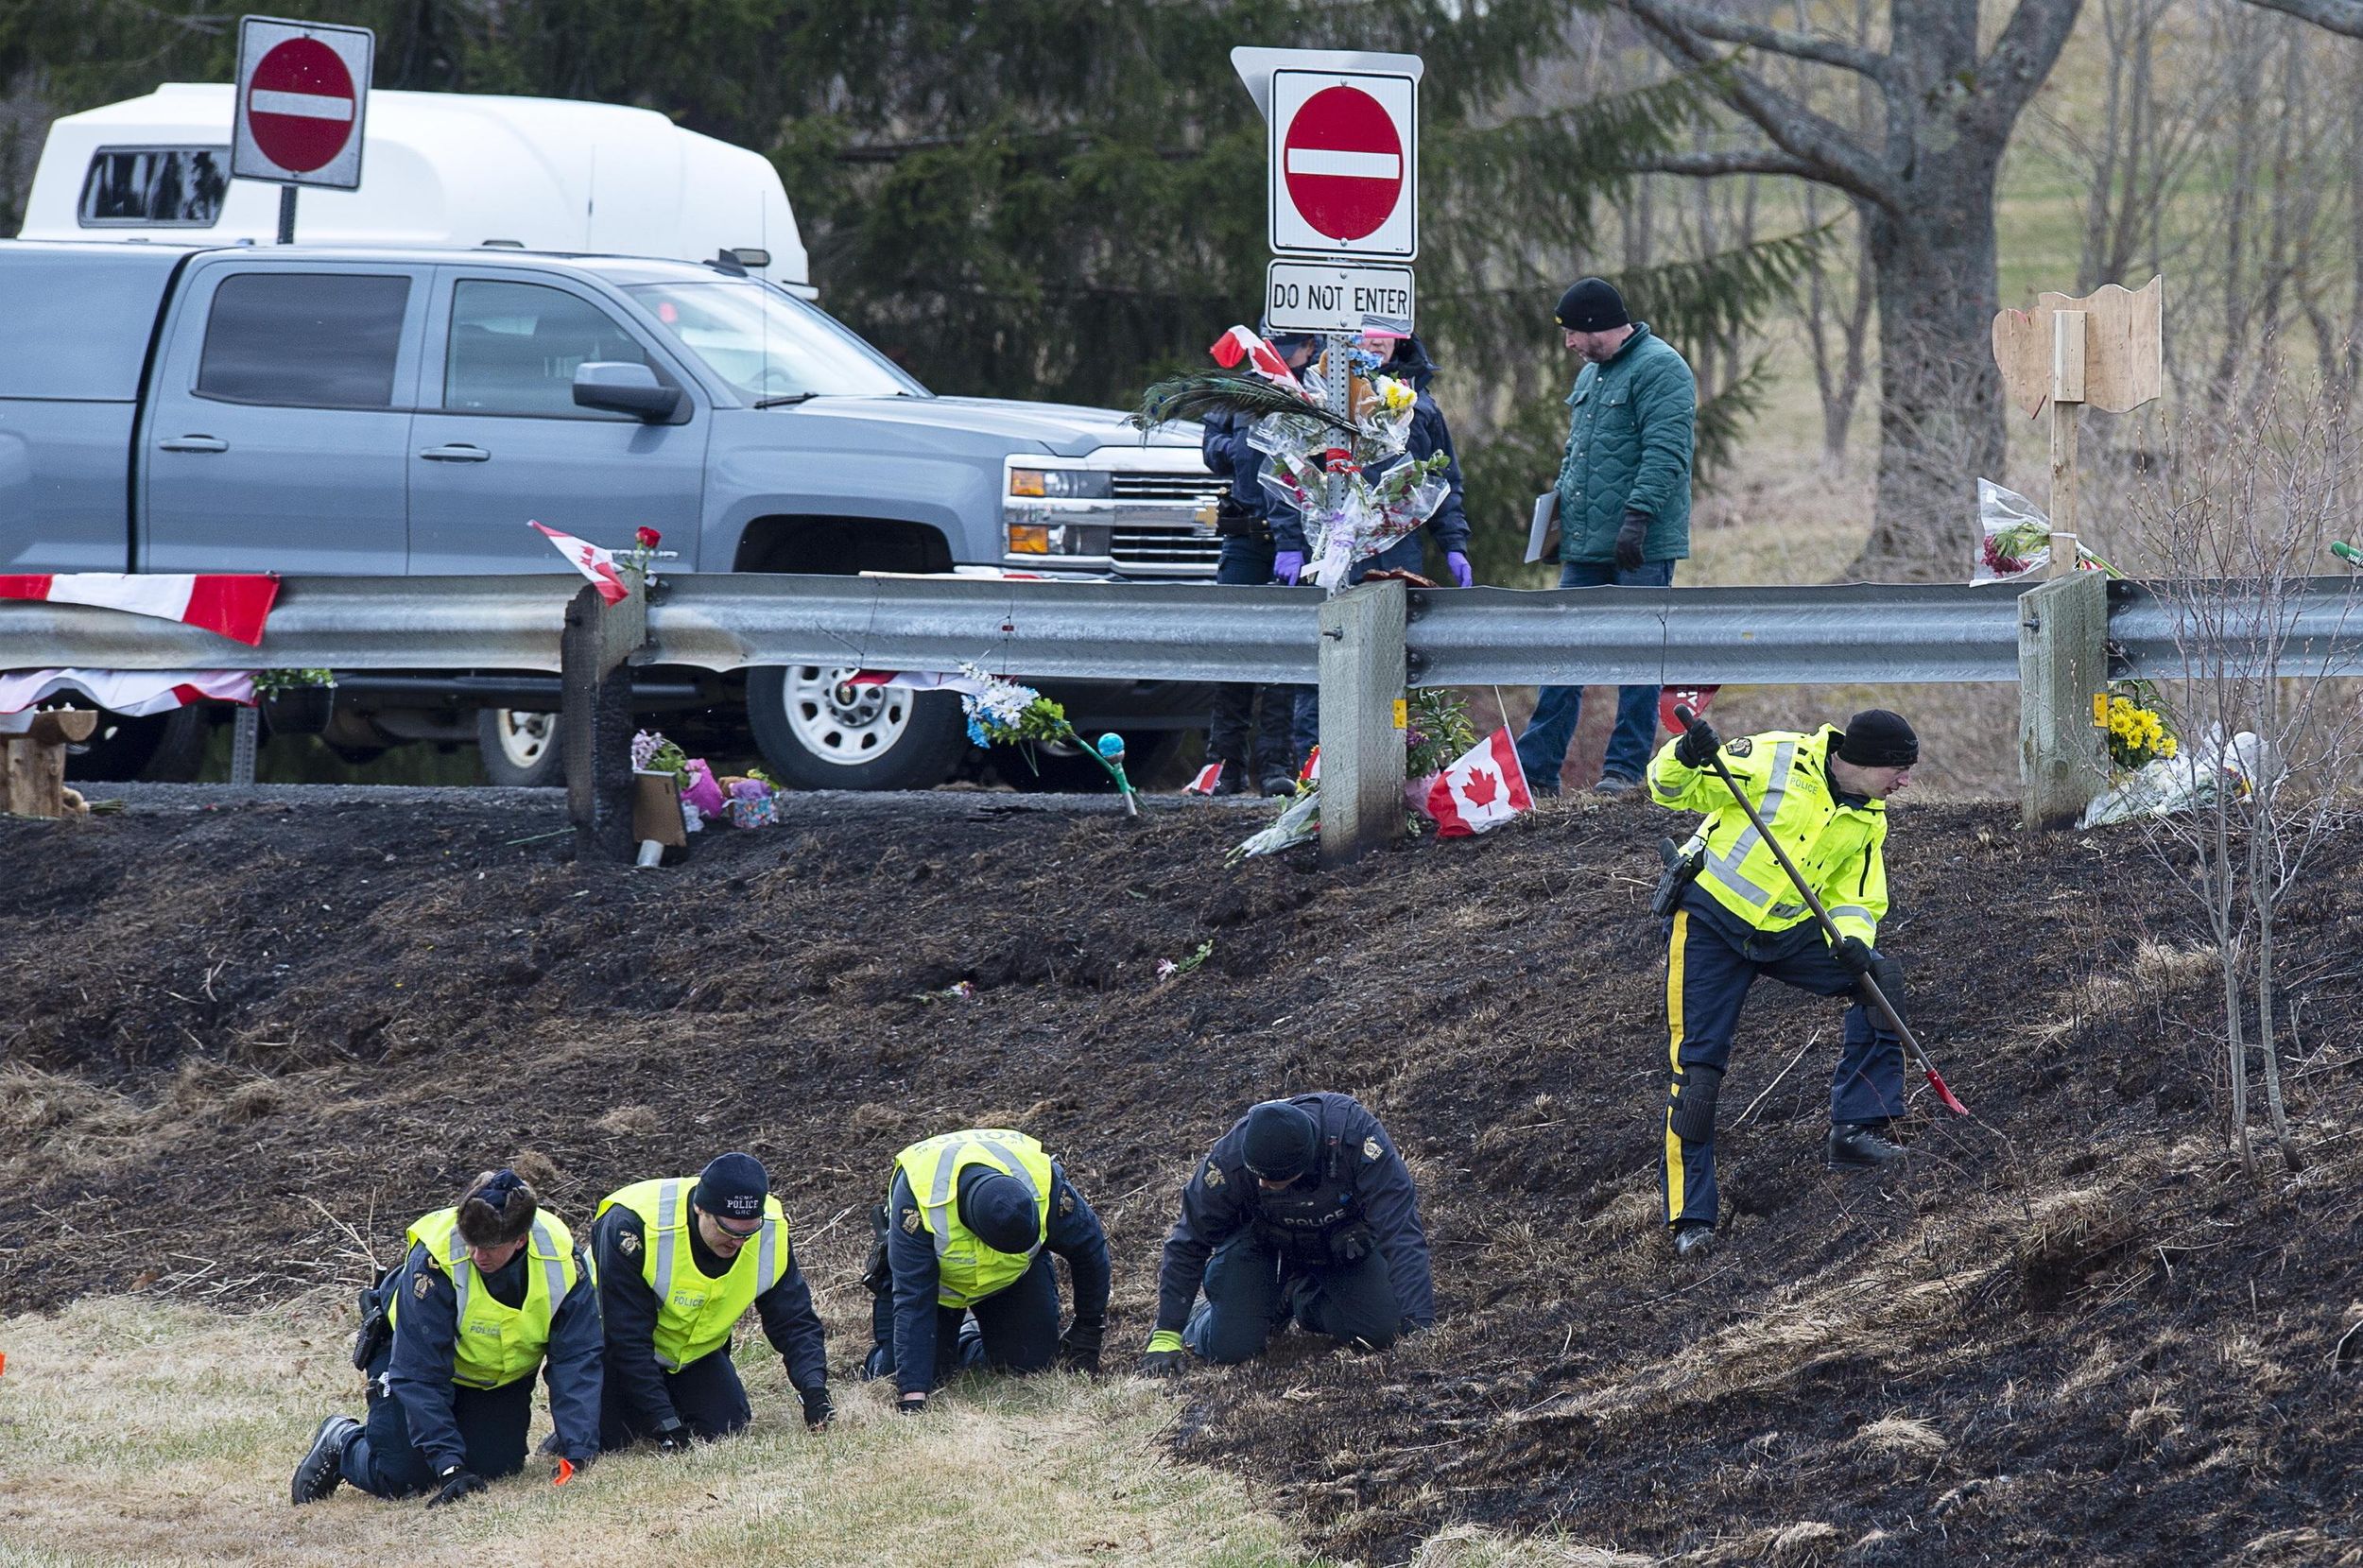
pixel 232 1033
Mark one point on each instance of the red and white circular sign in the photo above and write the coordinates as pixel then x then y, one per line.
pixel 1342 163
pixel 299 105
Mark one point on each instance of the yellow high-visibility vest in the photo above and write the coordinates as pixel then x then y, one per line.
pixel 1840 848
pixel 695 1315
pixel 967 1270
pixel 496 1344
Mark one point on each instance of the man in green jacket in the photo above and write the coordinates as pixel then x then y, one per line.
pixel 1624 508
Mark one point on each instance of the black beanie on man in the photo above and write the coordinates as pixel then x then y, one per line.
pixel 1281 1140
pixel 1876 738
pixel 999 1209
pixel 732 1187
pixel 1592 304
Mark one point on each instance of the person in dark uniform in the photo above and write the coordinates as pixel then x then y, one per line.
pixel 971 1222
pixel 489 1292
pixel 1304 1211
pixel 681 1259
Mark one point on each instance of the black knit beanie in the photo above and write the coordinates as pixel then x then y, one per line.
pixel 1281 1140
pixel 1876 738
pixel 999 1210
pixel 1592 304
pixel 732 1186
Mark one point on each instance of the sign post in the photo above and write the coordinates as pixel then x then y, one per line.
pixel 302 93
pixel 1342 216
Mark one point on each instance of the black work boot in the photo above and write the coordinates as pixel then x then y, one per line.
pixel 1277 785
pixel 321 1470
pixel 1693 1241
pixel 1865 1145
pixel 1232 780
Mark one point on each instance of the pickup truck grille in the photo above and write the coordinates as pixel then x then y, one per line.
pixel 1143 544
pixel 1196 489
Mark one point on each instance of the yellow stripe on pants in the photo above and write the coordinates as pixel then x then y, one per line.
pixel 1674 1056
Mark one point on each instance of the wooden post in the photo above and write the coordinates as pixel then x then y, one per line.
pixel 2067 403
pixel 2062 660
pixel 594 727
pixel 1362 666
pixel 33 782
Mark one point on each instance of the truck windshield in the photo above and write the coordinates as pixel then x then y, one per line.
pixel 767 344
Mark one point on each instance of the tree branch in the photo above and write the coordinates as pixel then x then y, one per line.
pixel 2340 16
pixel 1707 23
pixel 1834 158
pixel 1738 161
pixel 2023 55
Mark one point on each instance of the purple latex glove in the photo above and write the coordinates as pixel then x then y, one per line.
pixel 1460 565
pixel 1289 565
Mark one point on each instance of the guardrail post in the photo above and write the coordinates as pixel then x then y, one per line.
pixel 2062 660
pixel 595 729
pixel 1362 663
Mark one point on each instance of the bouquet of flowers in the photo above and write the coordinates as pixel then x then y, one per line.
pixel 2137 735
pixel 1436 732
pixel 2017 538
pixel 1003 713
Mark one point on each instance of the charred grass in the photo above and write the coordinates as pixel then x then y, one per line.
pixel 247 1047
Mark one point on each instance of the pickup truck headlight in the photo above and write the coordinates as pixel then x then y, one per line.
pixel 1058 539
pixel 1061 484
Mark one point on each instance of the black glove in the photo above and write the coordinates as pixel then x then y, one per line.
pixel 1698 745
pixel 1352 1245
pixel 459 1482
pixel 673 1438
pixel 1078 1349
pixel 817 1409
pixel 1630 535
pixel 1861 958
pixel 1165 1356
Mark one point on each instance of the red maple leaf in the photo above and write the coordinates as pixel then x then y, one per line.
pixel 1480 787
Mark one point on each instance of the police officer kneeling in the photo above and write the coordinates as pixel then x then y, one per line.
pixel 681 1259
pixel 970 1224
pixel 488 1292
pixel 1304 1211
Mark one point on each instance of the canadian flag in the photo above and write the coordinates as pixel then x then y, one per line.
pixel 233 605
pixel 132 692
pixel 1208 777
pixel 592 561
pixel 1239 343
pixel 1482 789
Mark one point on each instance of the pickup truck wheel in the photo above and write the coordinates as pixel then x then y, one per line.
pixel 521 749
pixel 162 748
pixel 817 731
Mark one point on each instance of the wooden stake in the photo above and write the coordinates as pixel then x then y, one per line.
pixel 32 778
pixel 2067 403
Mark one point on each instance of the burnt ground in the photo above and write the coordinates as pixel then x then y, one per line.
pixel 2075 1328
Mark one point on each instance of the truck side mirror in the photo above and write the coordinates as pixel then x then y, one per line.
pixel 620 387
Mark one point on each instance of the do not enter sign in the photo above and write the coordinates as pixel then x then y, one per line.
pixel 1344 164
pixel 302 90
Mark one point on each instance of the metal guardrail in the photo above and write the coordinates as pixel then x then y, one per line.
pixel 1843 635
pixel 2322 635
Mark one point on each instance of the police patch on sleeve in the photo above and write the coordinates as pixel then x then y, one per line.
pixel 1214 1174
pixel 910 1221
pixel 421 1286
pixel 1741 747
pixel 628 1241
pixel 1066 1200
pixel 1370 1150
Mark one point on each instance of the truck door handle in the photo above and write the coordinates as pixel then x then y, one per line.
pixel 194 443
pixel 459 453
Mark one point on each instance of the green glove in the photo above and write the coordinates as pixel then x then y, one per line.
pixel 1165 1355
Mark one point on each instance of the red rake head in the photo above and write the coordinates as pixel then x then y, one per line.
pixel 1945 1094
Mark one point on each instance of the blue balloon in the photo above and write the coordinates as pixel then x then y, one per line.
pixel 1112 745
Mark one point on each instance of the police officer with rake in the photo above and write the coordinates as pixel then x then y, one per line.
pixel 489 1291
pixel 1302 1213
pixel 1824 795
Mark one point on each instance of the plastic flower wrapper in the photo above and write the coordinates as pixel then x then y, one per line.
pixel 2017 538
pixel 2193 779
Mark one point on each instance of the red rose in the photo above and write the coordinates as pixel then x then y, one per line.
pixel 648 538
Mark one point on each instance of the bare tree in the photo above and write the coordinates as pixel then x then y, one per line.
pixel 1924 185
pixel 2235 532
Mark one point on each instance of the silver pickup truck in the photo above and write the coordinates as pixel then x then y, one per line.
pixel 362 411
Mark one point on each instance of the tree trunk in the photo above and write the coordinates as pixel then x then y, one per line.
pixel 1940 395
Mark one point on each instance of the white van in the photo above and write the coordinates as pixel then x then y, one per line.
pixel 437 169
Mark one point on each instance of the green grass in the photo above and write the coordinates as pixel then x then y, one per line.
pixel 150 1432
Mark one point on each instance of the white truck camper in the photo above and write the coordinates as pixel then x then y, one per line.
pixel 438 169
